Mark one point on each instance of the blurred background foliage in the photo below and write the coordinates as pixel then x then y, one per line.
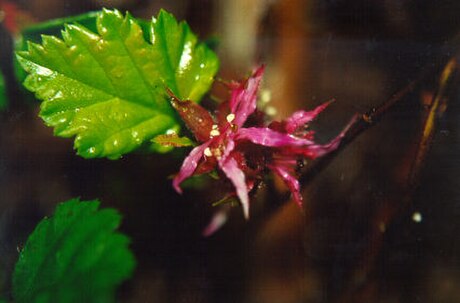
pixel 359 52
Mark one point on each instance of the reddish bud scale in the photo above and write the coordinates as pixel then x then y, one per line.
pixel 195 117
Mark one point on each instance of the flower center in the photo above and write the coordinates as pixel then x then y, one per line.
pixel 213 152
pixel 208 152
pixel 230 118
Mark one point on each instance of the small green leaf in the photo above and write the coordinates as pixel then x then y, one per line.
pixel 74 256
pixel 3 99
pixel 108 88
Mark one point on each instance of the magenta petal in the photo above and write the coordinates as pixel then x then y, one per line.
pixel 218 220
pixel 291 182
pixel 228 148
pixel 268 137
pixel 317 150
pixel 243 100
pixel 236 176
pixel 314 151
pixel 301 117
pixel 189 165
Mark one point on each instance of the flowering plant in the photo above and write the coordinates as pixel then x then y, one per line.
pixel 119 84
pixel 242 146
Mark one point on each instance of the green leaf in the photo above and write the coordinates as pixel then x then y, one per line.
pixel 54 27
pixel 74 256
pixel 108 88
pixel 33 33
pixel 3 99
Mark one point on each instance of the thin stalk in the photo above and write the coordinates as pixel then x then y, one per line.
pixel 359 285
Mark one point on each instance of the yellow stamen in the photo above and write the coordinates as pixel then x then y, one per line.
pixel 217 153
pixel 214 133
pixel 207 152
pixel 230 118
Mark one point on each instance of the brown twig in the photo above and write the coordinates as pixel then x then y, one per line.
pixel 359 126
pixel 362 123
pixel 429 127
pixel 389 211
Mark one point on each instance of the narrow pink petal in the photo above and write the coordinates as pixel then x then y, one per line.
pixel 189 165
pixel 217 221
pixel 236 176
pixel 291 182
pixel 317 150
pixel 301 117
pixel 229 146
pixel 243 99
pixel 268 137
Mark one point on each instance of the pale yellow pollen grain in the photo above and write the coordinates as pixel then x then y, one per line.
pixel 207 152
pixel 230 118
pixel 217 153
pixel 214 133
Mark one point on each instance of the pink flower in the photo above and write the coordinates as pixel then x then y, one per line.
pixel 243 154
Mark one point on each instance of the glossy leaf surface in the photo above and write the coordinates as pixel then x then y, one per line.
pixel 108 88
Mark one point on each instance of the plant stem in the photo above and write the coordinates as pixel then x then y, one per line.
pixel 359 286
pixel 362 123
